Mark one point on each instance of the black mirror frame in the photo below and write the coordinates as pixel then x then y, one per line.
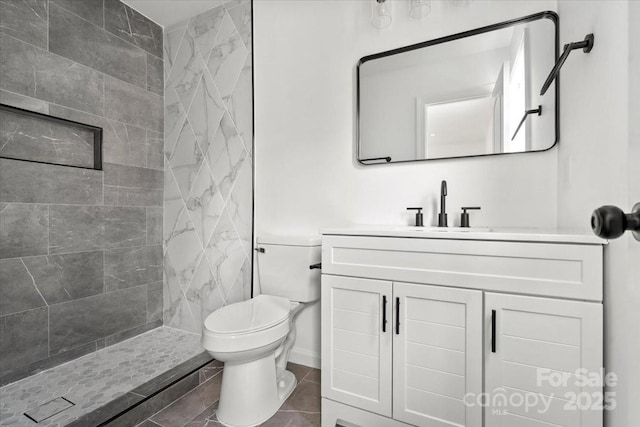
pixel 552 16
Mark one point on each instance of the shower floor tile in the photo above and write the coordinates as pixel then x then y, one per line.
pixel 97 378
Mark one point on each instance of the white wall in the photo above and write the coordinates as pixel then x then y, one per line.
pixel 599 158
pixel 306 176
pixel 632 287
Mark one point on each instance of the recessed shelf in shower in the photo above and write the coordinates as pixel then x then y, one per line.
pixel 35 137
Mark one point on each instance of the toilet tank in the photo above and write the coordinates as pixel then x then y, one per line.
pixel 283 267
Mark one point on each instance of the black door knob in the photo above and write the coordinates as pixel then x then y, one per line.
pixel 610 222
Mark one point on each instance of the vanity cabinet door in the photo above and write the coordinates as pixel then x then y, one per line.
pixel 437 355
pixel 534 350
pixel 356 344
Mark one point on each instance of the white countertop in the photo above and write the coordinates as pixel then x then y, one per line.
pixel 473 233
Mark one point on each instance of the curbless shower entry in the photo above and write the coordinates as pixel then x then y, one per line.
pixel 106 385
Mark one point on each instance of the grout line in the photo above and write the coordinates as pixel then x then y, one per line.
pixel 146 144
pixel 94 205
pixel 49 228
pixel 104 264
pixel 104 95
pixel 172 61
pixel 146 72
pixel 146 305
pixel 307 374
pixel 23 311
pixel 93 296
pixel 233 285
pixel 146 225
pixel 39 256
pixel 102 180
pixel 48 332
pixel 48 24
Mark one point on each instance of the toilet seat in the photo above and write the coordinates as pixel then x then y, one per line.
pixel 247 325
pixel 261 312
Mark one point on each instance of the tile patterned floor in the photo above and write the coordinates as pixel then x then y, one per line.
pixel 198 407
pixel 95 379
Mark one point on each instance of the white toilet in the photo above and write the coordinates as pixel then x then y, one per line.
pixel 253 338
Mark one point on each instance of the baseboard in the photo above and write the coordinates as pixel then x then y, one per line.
pixel 306 358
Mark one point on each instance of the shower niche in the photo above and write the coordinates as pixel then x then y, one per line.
pixel 40 138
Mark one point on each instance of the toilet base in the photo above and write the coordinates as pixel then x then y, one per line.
pixel 286 384
pixel 250 393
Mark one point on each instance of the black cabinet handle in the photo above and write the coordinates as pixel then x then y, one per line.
pixel 397 316
pixel 384 313
pixel 493 331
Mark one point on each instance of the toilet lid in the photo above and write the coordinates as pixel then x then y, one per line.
pixel 252 315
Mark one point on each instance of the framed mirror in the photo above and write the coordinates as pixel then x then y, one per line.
pixel 475 93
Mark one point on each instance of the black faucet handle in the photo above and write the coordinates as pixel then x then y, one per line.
pixel 464 218
pixel 419 216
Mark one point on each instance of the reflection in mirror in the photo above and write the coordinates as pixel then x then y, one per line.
pixel 463 95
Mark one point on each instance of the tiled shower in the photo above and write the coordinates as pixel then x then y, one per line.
pixel 162 235
pixel 81 249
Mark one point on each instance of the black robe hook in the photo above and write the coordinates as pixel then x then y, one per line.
pixel 537 111
pixel 586 45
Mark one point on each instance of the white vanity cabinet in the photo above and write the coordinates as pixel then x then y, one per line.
pixel 437 355
pixel 415 331
pixel 356 349
pixel 418 345
pixel 531 344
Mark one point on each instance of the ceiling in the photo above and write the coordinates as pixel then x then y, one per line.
pixel 169 12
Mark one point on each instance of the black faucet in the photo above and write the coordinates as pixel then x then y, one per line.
pixel 442 216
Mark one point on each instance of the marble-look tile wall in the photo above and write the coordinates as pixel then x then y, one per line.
pixel 208 190
pixel 80 250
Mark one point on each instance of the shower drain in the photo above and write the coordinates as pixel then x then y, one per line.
pixel 48 409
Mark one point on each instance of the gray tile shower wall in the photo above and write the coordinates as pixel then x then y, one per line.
pixel 208 180
pixel 81 257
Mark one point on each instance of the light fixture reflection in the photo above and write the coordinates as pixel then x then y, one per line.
pixel 420 8
pixel 381 13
